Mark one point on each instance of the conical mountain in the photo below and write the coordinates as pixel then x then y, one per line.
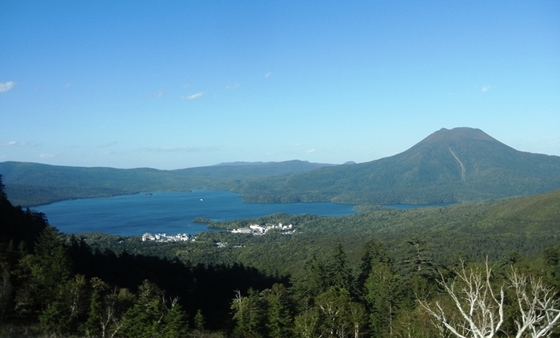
pixel 461 164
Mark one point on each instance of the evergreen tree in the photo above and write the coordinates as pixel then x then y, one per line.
pixel 314 278
pixel 280 316
pixel 199 321
pixel 54 319
pixel 381 299
pixel 2 190
pixel 373 253
pixel 174 322
pixel 250 314
pixel 66 314
pixel 41 274
pixel 338 271
pixel 94 327
pixel 144 319
pixel 6 290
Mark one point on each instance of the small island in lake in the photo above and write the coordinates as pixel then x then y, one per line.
pixel 202 220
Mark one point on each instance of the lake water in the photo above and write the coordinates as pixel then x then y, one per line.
pixel 170 213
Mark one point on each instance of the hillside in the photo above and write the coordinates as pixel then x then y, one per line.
pixel 32 183
pixel 456 165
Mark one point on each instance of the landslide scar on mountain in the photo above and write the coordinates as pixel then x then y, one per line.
pixel 463 171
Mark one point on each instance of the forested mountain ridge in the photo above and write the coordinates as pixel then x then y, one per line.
pixel 33 183
pixel 461 164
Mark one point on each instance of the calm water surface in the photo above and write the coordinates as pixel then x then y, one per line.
pixel 170 213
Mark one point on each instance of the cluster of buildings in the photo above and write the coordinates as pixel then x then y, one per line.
pixel 164 238
pixel 259 230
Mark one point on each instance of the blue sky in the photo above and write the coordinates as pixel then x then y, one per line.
pixel 177 84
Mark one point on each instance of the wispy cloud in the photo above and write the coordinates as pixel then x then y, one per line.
pixel 267 75
pixel 180 149
pixel 160 93
pixel 18 144
pixel 109 144
pixel 193 96
pixel 69 85
pixel 46 155
pixel 233 85
pixel 4 87
pixel 485 88
pixel 311 151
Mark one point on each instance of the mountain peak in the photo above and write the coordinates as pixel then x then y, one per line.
pixel 457 134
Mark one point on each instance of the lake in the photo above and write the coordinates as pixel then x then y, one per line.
pixel 167 212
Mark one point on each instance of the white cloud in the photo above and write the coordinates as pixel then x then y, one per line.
pixel 233 85
pixel 267 75
pixel 46 155
pixel 18 144
pixel 4 87
pixel 485 88
pixel 311 151
pixel 193 96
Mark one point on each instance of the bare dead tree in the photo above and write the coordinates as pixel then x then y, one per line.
pixel 480 309
pixel 539 310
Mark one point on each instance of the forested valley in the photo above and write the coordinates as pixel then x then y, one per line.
pixel 469 270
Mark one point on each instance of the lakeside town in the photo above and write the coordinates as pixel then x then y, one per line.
pixel 253 229
pixel 164 238
pixel 259 230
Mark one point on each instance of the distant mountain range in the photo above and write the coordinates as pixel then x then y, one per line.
pixel 33 184
pixel 461 164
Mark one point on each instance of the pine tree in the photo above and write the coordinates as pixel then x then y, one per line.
pixel 94 322
pixel 279 315
pixel 314 279
pixel 174 322
pixel 42 273
pixel 381 299
pixel 373 253
pixel 250 314
pixel 199 321
pixel 2 190
pixel 144 319
pixel 338 272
